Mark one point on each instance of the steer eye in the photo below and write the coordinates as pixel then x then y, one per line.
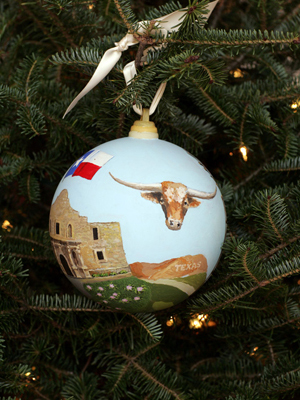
pixel 186 203
pixel 161 201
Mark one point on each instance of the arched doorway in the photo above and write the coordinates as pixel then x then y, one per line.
pixel 65 265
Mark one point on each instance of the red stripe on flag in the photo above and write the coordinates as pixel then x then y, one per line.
pixel 86 170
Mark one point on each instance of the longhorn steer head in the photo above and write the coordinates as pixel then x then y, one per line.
pixel 174 198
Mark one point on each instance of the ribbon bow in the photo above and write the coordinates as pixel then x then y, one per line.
pixel 171 23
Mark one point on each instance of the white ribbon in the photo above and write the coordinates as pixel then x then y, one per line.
pixel 171 23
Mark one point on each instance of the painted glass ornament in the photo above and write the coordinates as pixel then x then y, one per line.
pixel 137 223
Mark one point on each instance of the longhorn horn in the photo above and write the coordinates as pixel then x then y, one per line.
pixel 155 187
pixel 201 195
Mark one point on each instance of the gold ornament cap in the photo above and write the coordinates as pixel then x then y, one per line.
pixel 144 129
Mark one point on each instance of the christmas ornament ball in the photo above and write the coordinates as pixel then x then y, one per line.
pixel 137 223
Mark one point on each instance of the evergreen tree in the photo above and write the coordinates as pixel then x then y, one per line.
pixel 232 87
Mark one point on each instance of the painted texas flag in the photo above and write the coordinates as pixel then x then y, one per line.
pixel 89 164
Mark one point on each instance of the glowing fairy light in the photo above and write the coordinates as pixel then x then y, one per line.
pixel 244 152
pixel 295 105
pixel 237 73
pixel 30 377
pixel 197 321
pixel 170 322
pixel 91 6
pixel 7 225
pixel 211 323
pixel 253 352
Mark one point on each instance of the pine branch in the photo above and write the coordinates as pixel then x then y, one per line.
pixel 122 371
pixel 155 383
pixel 244 261
pixel 238 38
pixel 163 388
pixel 252 175
pixel 17 97
pixel 150 324
pixel 41 26
pixel 234 293
pixel 70 129
pixel 126 14
pixel 270 218
pixel 291 164
pixel 27 81
pixel 54 18
pixel 280 247
pixel 175 127
pixel 222 115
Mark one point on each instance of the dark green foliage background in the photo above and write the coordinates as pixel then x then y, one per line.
pixel 56 344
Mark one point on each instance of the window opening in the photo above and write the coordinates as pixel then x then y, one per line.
pixel 95 233
pixel 57 228
pixel 100 255
pixel 69 230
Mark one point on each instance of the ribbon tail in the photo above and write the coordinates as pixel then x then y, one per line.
pixel 129 72
pixel 210 7
pixel 157 97
pixel 108 61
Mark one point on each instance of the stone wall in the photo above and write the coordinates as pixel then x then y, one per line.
pixel 99 246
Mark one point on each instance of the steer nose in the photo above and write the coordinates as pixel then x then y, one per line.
pixel 173 224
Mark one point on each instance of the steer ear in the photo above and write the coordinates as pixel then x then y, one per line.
pixel 193 202
pixel 152 196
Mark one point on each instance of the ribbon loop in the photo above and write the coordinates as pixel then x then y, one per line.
pixel 129 73
pixel 164 25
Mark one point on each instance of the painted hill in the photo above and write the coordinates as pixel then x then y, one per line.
pixel 174 268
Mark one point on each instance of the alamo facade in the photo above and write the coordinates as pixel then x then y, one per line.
pixel 82 248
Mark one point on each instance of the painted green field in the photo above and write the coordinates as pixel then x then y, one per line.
pixel 134 295
pixel 194 280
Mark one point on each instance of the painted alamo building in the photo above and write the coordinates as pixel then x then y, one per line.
pixel 82 248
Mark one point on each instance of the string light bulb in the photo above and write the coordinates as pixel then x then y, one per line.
pixel 7 225
pixel 295 105
pixel 244 151
pixel 237 73
pixel 197 321
pixel 91 6
pixel 170 321
pixel 211 323
pixel 253 352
